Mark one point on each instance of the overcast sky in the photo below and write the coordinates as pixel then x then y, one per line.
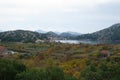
pixel 84 16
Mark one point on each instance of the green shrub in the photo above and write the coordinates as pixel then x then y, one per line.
pixel 51 73
pixel 9 69
pixel 104 71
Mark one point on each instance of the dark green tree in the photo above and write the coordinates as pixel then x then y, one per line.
pixel 9 69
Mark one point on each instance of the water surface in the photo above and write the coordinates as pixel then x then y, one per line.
pixel 76 41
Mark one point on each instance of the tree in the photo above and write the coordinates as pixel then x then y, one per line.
pixel 55 73
pixel 32 74
pixel 51 73
pixel 9 69
pixel 91 73
pixel 104 71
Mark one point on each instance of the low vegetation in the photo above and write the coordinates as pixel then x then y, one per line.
pixel 57 61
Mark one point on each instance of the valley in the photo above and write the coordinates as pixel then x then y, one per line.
pixel 29 55
pixel 59 40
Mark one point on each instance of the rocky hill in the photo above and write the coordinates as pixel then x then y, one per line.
pixel 108 35
pixel 20 36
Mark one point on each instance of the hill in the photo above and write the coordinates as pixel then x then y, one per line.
pixel 108 35
pixel 20 36
pixel 51 35
pixel 68 35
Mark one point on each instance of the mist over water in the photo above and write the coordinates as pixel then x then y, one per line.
pixel 76 41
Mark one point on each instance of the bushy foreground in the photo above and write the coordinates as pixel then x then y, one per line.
pixel 9 69
pixel 56 61
pixel 12 70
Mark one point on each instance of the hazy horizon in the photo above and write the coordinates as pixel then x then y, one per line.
pixel 83 16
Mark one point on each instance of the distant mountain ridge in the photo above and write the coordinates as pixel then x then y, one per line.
pixel 29 36
pixel 70 34
pixel 73 33
pixel 108 35
pixel 59 33
pixel 40 31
